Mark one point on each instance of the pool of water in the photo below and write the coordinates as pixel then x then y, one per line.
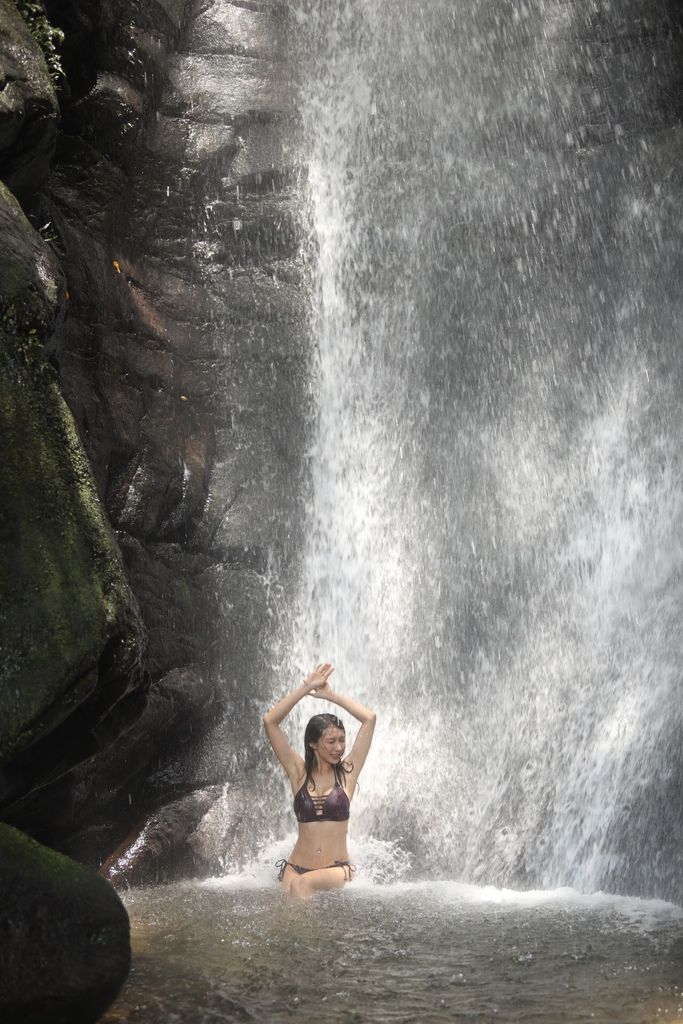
pixel 230 950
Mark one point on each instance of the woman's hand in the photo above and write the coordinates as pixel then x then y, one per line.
pixel 317 681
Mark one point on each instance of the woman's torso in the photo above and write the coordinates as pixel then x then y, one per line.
pixel 321 840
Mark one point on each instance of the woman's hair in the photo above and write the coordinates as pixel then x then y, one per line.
pixel 314 730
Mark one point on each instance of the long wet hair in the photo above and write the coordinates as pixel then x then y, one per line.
pixel 314 730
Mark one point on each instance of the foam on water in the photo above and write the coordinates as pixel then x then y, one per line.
pixel 624 911
pixel 383 870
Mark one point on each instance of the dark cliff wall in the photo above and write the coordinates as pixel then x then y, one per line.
pixel 181 353
pixel 71 639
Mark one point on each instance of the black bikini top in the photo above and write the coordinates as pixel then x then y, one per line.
pixel 334 806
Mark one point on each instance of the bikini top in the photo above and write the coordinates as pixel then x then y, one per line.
pixel 334 806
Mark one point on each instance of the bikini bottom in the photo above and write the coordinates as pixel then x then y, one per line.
pixel 284 864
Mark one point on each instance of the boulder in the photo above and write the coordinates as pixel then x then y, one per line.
pixel 201 833
pixel 71 638
pixel 121 783
pixel 32 284
pixel 28 107
pixel 159 849
pixel 64 936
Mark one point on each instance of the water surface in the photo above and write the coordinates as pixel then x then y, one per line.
pixel 428 952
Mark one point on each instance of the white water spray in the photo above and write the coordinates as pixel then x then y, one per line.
pixel 494 554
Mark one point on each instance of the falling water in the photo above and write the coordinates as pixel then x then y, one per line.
pixel 495 538
pixel 495 554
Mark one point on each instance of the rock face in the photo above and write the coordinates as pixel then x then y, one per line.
pixel 28 107
pixel 182 355
pixel 64 937
pixel 71 638
pixel 71 635
pixel 206 833
pixel 162 849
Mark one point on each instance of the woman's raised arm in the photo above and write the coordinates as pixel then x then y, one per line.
pixel 292 762
pixel 365 716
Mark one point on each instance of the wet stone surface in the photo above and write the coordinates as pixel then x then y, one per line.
pixel 173 206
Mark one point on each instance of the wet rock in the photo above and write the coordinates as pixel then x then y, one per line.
pixel 233 28
pixel 169 583
pixel 211 86
pixel 31 281
pixel 119 781
pixel 64 937
pixel 178 326
pixel 160 849
pixel 158 491
pixel 178 708
pixel 28 107
pixel 200 834
pixel 70 634
pixel 224 837
pixel 183 358
pixel 113 109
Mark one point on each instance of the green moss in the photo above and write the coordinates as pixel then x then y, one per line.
pixel 64 935
pixel 22 329
pixel 15 846
pixel 46 35
pixel 101 937
pixel 63 592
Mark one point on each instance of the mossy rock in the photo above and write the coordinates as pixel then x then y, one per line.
pixel 62 588
pixel 64 598
pixel 64 936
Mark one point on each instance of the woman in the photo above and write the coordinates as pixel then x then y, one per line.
pixel 323 784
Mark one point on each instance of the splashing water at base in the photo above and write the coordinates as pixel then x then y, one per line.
pixel 232 950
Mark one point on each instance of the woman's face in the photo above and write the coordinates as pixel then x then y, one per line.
pixel 331 745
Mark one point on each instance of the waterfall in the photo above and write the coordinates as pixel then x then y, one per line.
pixel 495 538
